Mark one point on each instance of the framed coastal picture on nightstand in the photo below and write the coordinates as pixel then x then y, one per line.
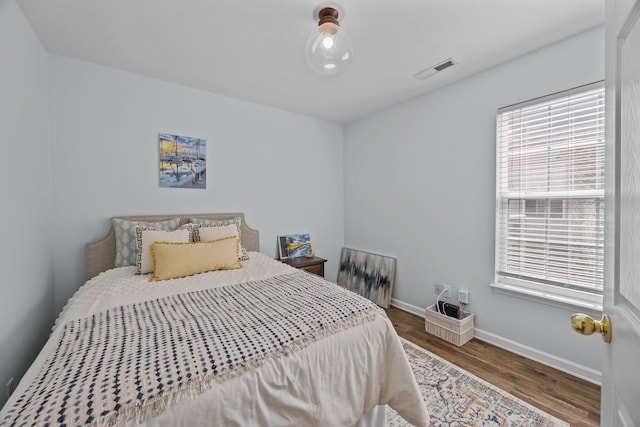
pixel 367 274
pixel 294 246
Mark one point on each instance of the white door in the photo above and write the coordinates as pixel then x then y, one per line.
pixel 621 362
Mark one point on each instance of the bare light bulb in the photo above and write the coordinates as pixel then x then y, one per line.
pixel 328 49
pixel 327 42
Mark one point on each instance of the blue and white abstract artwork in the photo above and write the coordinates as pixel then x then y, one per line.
pixel 370 275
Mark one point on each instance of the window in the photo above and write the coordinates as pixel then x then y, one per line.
pixel 550 197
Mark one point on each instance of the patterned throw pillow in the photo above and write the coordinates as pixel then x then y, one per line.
pixel 126 237
pixel 145 237
pixel 202 233
pixel 222 222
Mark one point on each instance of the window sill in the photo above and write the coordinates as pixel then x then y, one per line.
pixel 548 296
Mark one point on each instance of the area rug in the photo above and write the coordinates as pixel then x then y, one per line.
pixel 457 398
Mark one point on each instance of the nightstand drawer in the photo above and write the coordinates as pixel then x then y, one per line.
pixel 315 269
pixel 314 265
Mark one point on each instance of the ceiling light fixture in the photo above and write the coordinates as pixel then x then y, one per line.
pixel 329 49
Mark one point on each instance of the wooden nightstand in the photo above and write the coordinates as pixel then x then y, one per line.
pixel 313 265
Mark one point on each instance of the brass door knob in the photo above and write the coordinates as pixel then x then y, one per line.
pixel 585 325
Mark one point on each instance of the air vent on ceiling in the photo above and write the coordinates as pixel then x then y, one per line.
pixel 434 69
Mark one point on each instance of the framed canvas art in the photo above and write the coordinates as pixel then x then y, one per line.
pixel 370 275
pixel 183 161
pixel 294 246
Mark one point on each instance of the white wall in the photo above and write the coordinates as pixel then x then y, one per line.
pixel 420 186
pixel 26 306
pixel 283 170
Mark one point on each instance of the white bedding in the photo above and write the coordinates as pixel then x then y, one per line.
pixel 332 382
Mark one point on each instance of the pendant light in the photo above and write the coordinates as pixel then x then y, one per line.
pixel 329 49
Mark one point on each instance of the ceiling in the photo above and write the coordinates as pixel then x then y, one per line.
pixel 253 49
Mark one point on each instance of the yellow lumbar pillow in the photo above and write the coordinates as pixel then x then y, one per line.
pixel 174 260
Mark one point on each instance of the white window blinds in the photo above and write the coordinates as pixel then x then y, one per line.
pixel 550 191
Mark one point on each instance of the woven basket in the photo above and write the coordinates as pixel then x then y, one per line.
pixel 455 331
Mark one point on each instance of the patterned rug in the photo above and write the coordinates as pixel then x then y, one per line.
pixel 457 398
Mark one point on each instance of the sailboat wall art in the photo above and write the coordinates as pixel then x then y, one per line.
pixel 183 161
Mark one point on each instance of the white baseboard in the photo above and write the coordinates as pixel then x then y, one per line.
pixel 407 307
pixel 564 365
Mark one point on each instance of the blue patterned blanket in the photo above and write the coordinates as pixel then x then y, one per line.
pixel 136 360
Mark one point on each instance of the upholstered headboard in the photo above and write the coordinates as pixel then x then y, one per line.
pixel 101 253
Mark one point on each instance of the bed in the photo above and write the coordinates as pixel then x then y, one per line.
pixel 261 345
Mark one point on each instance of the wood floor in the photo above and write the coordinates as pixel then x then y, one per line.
pixel 566 397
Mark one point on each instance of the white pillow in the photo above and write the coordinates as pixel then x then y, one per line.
pixel 199 222
pixel 207 233
pixel 146 236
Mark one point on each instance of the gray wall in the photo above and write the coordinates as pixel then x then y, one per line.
pixel 26 305
pixel 420 186
pixel 285 171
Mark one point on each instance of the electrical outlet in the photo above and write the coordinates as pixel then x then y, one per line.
pixel 10 387
pixel 463 296
pixel 445 288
